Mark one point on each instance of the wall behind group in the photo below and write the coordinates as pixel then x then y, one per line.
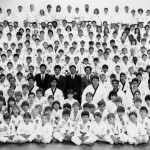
pixel 41 4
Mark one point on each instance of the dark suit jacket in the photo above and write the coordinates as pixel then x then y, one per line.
pixel 75 85
pixel 85 82
pixel 40 83
pixel 60 83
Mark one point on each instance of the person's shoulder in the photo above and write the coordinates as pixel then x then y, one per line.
pixel 37 75
pixel 62 77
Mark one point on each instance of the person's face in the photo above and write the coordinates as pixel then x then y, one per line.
pixel 105 11
pixel 42 69
pixel 7 121
pixel 48 112
pixel 92 110
pixel 143 113
pixel 1 103
pixel 95 81
pixel 101 108
pixel 56 106
pixel 148 102
pixel 8 12
pixel 134 84
pixel 16 111
pixel 120 114
pixel 118 104
pixel 53 83
pixel 20 9
pixel 12 81
pixel 137 104
pixel 111 121
pixel 97 118
pixel 66 117
pixel 11 103
pixel 112 98
pixel 103 77
pixel 75 107
pixel 25 90
pixel 126 9
pixel 70 95
pixel 39 94
pixel 72 70
pixel 85 119
pixel 116 8
pixel 27 120
pixel 50 101
pixel 115 84
pixel 89 98
pixel 10 66
pixel 31 70
pixel 122 77
pixel 31 7
pixel 44 120
pixel 2 78
pixel 19 77
pixel 57 71
pixel 31 99
pixel 11 93
pixel 137 94
pixel 133 118
pixel 117 69
pixel 31 82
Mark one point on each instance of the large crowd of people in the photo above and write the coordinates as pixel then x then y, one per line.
pixel 76 76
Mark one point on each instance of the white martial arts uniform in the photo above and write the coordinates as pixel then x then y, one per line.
pixel 137 131
pixel 64 127
pixel 83 130
pixel 44 131
pixel 6 131
pixel 27 129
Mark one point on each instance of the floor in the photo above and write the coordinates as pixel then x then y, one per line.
pixel 66 146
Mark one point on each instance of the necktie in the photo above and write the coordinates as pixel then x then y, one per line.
pixel 42 77
pixel 88 78
pixel 72 77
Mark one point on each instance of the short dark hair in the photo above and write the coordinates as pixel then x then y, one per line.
pixel 85 113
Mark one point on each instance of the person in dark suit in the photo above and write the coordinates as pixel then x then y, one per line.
pixel 87 79
pixel 42 78
pixel 60 78
pixel 74 82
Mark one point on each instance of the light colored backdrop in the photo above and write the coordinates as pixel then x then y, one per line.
pixel 41 4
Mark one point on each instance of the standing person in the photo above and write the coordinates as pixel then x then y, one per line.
pixel 53 90
pixel 32 15
pixel 87 79
pixel 59 77
pixel 42 78
pixel 95 88
pixel 20 16
pixel 73 81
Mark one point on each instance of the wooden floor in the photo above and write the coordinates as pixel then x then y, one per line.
pixel 66 146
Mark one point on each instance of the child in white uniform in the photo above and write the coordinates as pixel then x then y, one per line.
pixel 83 133
pixel 100 128
pixel 65 128
pixel 115 130
pixel 44 130
pixel 26 129
pixel 7 130
pixel 143 119
pixel 135 130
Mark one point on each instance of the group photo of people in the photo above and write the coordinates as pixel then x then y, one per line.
pixel 76 76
